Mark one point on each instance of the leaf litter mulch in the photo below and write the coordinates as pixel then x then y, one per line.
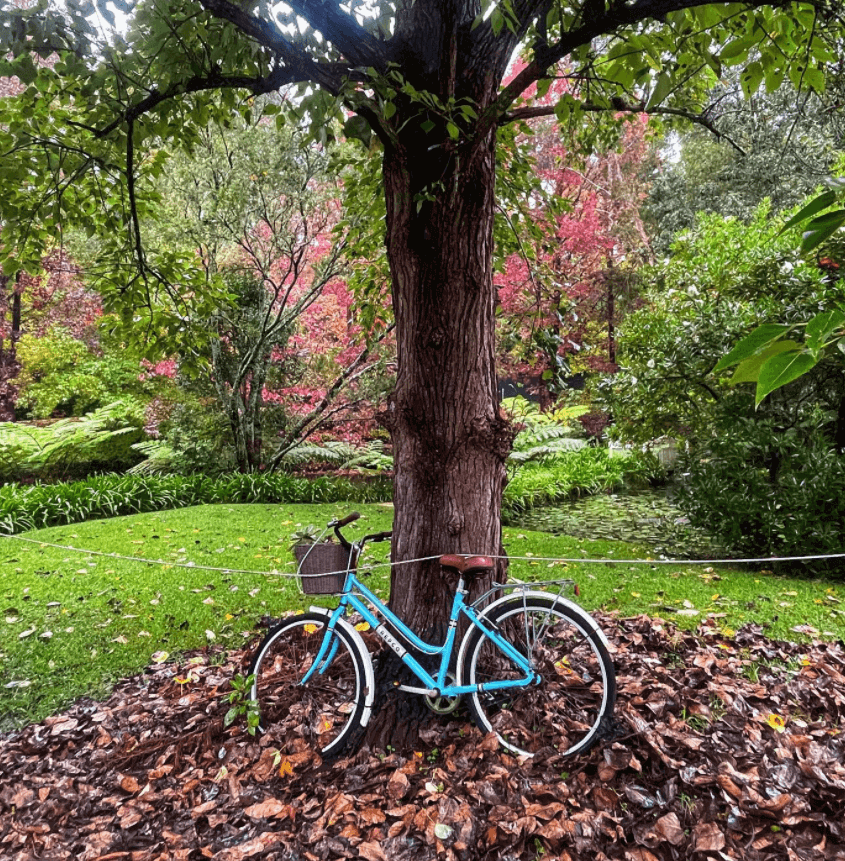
pixel 724 748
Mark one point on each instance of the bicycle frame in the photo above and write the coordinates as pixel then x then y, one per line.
pixel 434 686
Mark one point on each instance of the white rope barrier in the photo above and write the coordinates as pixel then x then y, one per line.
pixel 757 559
pixel 558 559
pixel 72 549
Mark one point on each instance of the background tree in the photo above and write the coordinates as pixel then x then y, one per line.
pixel 562 294
pixel 756 476
pixel 257 206
pixel 777 145
pixel 10 331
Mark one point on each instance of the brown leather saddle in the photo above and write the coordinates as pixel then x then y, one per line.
pixel 467 567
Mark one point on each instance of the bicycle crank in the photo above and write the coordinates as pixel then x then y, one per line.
pixel 441 704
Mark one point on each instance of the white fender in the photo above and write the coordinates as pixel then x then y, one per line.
pixel 369 675
pixel 514 595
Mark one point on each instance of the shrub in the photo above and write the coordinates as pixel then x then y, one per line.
pixel 575 473
pixel 60 375
pixel 198 433
pixel 763 490
pixel 36 506
pixel 102 440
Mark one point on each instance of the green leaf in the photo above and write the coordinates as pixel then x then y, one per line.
pixel 26 70
pixel 357 128
pixel 661 89
pixel 497 21
pixel 750 78
pixel 822 228
pixel 780 370
pixel 822 326
pixel 774 78
pixel 748 371
pixel 427 126
pixel 751 344
pixel 817 204
pixel 737 50
pixel 454 131
pixel 814 79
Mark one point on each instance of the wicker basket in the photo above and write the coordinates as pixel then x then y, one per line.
pixel 316 559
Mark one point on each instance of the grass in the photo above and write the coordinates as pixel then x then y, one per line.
pixel 72 623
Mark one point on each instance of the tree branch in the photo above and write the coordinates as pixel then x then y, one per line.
pixel 622 106
pixel 596 25
pixel 256 85
pixel 359 46
pixel 298 431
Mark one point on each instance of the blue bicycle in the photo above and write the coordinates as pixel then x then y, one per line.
pixel 533 667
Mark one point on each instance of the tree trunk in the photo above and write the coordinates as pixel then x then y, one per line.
pixel 9 366
pixel 450 439
pixel 840 426
pixel 611 314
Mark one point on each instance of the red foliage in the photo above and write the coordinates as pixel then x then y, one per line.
pixel 575 288
pixel 164 368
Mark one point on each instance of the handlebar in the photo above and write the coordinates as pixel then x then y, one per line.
pixel 350 518
pixel 337 525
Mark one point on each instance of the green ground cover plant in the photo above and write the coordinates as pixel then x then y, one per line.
pixel 103 439
pixel 24 507
pixel 576 473
pixel 72 623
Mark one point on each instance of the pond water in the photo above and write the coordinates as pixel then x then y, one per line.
pixel 643 517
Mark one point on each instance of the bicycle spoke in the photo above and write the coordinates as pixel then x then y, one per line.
pixel 322 712
pixel 576 686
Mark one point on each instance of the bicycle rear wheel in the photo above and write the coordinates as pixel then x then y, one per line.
pixel 324 713
pixel 576 693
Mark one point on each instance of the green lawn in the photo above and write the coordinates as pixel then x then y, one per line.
pixel 72 623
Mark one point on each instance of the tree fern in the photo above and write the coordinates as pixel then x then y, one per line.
pixel 332 452
pixel 160 458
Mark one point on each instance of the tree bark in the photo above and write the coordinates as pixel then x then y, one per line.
pixel 450 440
pixel 449 436
pixel 9 365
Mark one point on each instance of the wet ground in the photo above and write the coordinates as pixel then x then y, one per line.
pixel 646 517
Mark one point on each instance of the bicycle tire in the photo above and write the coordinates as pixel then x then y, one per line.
pixel 574 700
pixel 329 711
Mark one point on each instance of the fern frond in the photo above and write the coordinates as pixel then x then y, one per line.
pixel 542 452
pixel 372 456
pixel 533 436
pixel 160 458
pixel 333 452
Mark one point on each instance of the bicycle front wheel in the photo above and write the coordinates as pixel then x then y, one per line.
pixel 567 707
pixel 324 712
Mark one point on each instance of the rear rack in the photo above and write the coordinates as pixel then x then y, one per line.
pixel 563 586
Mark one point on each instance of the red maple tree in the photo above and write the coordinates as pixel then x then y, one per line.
pixel 563 296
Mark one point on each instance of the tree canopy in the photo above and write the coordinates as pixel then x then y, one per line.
pixel 94 105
